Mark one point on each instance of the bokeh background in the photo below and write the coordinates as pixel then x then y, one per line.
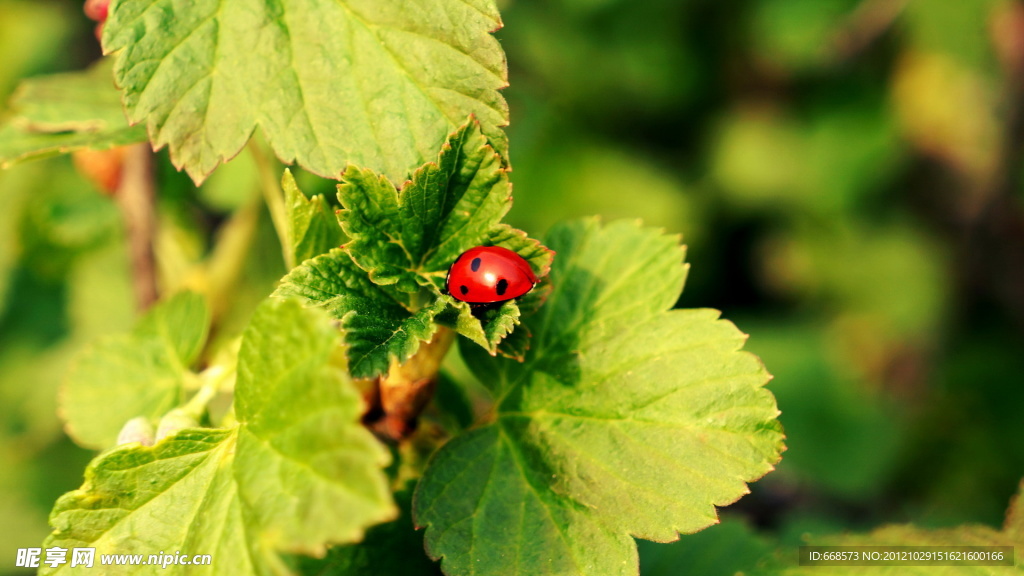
pixel 847 175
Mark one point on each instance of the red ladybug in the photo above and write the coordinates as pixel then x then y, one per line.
pixel 489 274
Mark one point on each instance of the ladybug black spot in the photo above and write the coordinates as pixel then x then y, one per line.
pixel 475 264
pixel 464 290
pixel 502 286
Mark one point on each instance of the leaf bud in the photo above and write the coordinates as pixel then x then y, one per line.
pixel 138 429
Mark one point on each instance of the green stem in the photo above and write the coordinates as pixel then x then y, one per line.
pixel 212 378
pixel 274 197
pixel 226 263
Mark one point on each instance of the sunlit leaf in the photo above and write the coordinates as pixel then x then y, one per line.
pixel 362 82
pixel 625 419
pixel 386 285
pixel 298 473
pixel 411 237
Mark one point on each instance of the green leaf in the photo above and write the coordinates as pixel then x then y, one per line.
pixel 297 474
pixel 312 226
pixel 625 419
pixel 407 239
pixel 516 344
pixel 386 284
pixel 305 465
pixel 85 101
pixel 65 112
pixel 486 328
pixel 19 145
pixel 411 237
pixel 362 82
pixel 538 255
pixel 188 481
pixel 378 320
pixel 136 374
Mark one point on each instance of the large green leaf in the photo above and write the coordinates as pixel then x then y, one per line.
pixel 625 419
pixel 297 474
pixel 137 374
pixel 305 465
pixel 331 82
pixel 65 112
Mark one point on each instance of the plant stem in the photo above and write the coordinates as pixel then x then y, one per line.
pixel 407 388
pixel 226 262
pixel 212 379
pixel 136 198
pixel 274 197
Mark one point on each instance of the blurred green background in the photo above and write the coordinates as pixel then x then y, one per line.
pixel 847 175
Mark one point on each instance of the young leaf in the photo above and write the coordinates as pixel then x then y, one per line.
pixel 363 82
pixel 538 255
pixel 625 419
pixel 297 474
pixel 377 319
pixel 312 226
pixel 411 237
pixel 487 329
pixel 138 374
pixel 386 284
pixel 64 112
